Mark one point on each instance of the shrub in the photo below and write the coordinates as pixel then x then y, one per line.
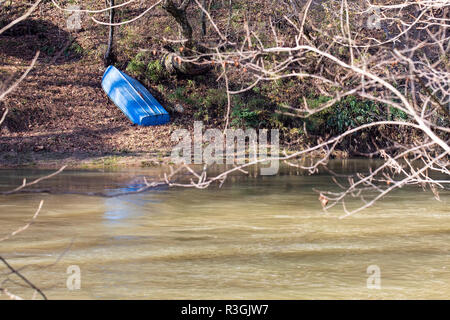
pixel 142 69
pixel 155 71
pixel 137 65
pixel 346 114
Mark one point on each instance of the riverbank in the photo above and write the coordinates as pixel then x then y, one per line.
pixel 84 160
pixel 59 115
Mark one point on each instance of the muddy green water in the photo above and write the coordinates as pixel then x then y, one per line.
pixel 256 238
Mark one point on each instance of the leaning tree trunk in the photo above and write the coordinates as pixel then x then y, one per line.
pixel 180 15
pixel 174 62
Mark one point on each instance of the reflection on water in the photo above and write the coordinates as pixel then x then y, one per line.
pixel 127 206
pixel 255 238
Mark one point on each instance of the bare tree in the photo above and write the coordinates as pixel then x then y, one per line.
pixel 397 57
pixel 393 53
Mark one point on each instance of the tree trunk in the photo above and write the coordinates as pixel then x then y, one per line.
pixel 109 55
pixel 180 15
pixel 203 19
pixel 171 61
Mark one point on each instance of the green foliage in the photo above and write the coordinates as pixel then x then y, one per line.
pixel 155 71
pixel 258 103
pixel 75 48
pixel 397 114
pixel 244 117
pixel 137 65
pixel 178 94
pixel 213 105
pixel 254 112
pixel 346 114
pixel 216 98
pixel 142 69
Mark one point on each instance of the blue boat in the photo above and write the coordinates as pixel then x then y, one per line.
pixel 133 98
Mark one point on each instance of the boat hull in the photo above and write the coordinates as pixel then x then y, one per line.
pixel 133 99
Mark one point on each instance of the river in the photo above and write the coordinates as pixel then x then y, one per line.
pixel 254 238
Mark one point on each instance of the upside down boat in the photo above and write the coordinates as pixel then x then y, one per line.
pixel 133 98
